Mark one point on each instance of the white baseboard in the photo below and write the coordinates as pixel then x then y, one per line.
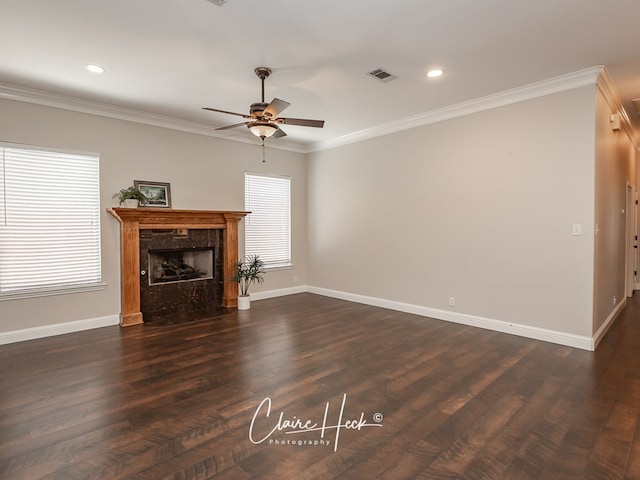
pixel 607 323
pixel 279 293
pixel 57 329
pixel 535 333
pixel 33 333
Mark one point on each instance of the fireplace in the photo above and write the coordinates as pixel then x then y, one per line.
pixel 205 245
pixel 181 274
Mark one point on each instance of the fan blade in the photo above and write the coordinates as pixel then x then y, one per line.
pixel 224 111
pixel 275 107
pixel 279 133
pixel 232 126
pixel 301 122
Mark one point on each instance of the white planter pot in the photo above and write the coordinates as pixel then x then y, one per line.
pixel 131 203
pixel 244 302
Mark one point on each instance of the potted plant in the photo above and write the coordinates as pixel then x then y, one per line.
pixel 248 271
pixel 131 197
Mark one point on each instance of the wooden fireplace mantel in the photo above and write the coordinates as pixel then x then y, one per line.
pixel 132 220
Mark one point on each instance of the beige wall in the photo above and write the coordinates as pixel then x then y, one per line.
pixel 479 208
pixel 204 172
pixel 615 169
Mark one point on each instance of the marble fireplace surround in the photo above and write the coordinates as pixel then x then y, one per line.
pixel 132 220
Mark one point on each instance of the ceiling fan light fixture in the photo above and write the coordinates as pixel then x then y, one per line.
pixel 262 129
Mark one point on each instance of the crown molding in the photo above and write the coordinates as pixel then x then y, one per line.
pixel 82 105
pixel 550 86
pixel 588 76
pixel 612 97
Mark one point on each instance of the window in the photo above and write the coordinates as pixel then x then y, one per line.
pixel 268 228
pixel 49 221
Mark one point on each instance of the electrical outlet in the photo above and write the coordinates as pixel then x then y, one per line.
pixel 295 279
pixel 452 301
pixel 615 300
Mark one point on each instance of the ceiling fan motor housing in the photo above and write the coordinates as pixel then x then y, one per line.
pixel 256 109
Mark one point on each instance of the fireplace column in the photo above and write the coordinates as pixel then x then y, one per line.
pixel 129 271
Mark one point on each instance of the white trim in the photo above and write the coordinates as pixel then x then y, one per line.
pixel 48 292
pixel 587 76
pixel 535 333
pixel 82 105
pixel 57 329
pixel 28 146
pixel 278 293
pixel 612 97
pixel 558 84
pixel 597 338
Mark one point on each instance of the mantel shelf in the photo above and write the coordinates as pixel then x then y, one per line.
pixel 151 218
pixel 132 220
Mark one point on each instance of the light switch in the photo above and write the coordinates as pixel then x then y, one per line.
pixel 576 229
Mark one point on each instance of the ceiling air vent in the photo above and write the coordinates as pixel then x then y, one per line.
pixel 636 105
pixel 217 2
pixel 381 75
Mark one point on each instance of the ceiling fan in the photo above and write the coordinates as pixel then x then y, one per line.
pixel 263 120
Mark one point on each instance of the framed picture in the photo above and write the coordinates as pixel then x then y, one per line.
pixel 158 193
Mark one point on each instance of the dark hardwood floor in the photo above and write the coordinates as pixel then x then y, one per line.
pixel 400 397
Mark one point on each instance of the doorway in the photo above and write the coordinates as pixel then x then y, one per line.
pixel 631 241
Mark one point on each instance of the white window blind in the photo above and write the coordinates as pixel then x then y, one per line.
pixel 267 230
pixel 49 221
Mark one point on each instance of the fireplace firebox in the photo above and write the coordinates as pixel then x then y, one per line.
pixel 180 265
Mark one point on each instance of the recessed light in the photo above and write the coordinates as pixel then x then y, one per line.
pixel 95 68
pixel 436 72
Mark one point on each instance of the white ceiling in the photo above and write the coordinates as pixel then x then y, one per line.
pixel 172 57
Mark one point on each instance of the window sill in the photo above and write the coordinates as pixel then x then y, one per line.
pixel 47 292
pixel 275 268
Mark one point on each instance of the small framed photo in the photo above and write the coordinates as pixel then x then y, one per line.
pixel 158 193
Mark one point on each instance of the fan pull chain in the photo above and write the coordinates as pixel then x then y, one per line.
pixel 263 154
